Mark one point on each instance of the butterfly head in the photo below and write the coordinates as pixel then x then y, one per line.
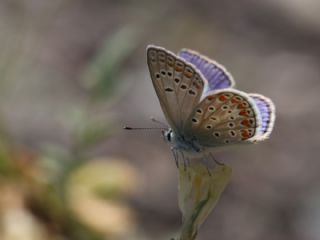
pixel 180 142
pixel 168 135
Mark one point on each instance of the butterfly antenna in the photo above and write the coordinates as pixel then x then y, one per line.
pixel 138 128
pixel 159 122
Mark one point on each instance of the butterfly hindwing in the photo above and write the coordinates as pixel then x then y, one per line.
pixel 266 109
pixel 178 84
pixel 224 117
pixel 216 75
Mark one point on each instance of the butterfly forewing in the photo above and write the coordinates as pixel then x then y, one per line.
pixel 223 117
pixel 178 84
pixel 216 74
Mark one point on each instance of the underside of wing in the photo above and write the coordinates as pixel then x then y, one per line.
pixel 224 117
pixel 266 109
pixel 178 84
pixel 217 76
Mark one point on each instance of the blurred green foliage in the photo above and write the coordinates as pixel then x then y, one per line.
pixel 102 74
pixel 43 176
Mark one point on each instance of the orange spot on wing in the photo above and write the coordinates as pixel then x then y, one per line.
pixel 241 106
pixel 245 134
pixel 243 113
pixel 188 74
pixel 222 98
pixel 178 69
pixel 246 123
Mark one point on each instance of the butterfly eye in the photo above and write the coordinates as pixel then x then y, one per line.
pixel 169 137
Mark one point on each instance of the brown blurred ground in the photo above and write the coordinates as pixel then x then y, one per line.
pixel 270 47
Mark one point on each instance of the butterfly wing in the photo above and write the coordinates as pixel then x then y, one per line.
pixel 224 117
pixel 266 109
pixel 178 84
pixel 217 76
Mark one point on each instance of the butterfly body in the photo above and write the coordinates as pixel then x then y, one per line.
pixel 182 143
pixel 201 106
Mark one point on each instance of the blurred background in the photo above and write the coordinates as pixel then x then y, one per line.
pixel 73 72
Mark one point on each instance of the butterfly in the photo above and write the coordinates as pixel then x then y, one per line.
pixel 200 104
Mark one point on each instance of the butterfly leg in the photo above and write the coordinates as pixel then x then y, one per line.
pixel 205 161
pixel 188 162
pixel 184 161
pixel 208 170
pixel 176 156
pixel 215 160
